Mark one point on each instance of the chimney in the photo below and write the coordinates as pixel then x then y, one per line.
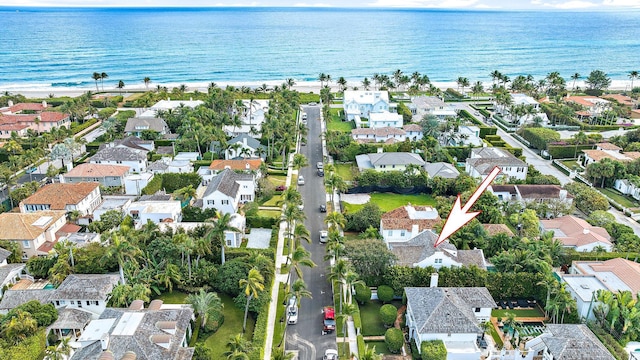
pixel 415 229
pixel 585 231
pixel 10 103
pixel 104 341
pixel 434 280
pixel 380 150
pixel 44 104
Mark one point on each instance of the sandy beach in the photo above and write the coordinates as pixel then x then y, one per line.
pixel 302 86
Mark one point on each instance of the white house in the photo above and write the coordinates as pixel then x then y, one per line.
pixel 134 183
pixel 82 197
pixel 567 341
pixel 35 232
pixel 251 116
pixel 420 251
pixel 137 126
pixel 390 161
pixel 467 135
pixel 629 186
pixel 431 105
pixel 553 195
pixel 577 234
pixel 384 134
pixel 247 147
pixel 524 99
pixel 228 190
pixel 167 105
pixel 585 278
pixel 154 211
pixel 441 169
pixel 89 292
pixel 9 273
pixel 385 119
pixel 361 103
pixel 413 132
pixel 135 160
pixel 482 160
pixel 118 203
pixel 452 315
pixel 406 222
pixel 608 151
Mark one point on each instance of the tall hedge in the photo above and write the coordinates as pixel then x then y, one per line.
pixel 566 151
pixel 433 350
pixel 540 137
pixel 394 339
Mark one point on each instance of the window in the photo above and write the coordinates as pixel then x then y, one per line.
pixel 402 233
pixel 211 202
pixel 229 243
pixel 477 309
pixel 438 261
pixel 57 303
pixel 79 303
pixel 26 244
pixel 390 232
pixel 88 303
pixel 97 303
pixel 225 202
pixel 73 302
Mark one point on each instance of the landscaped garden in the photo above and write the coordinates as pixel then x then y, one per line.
pixel 390 201
pixel 370 315
pixel 233 317
pixel 379 346
pixel 623 200
pixel 346 171
pixel 335 123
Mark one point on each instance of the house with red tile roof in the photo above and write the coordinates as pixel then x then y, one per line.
pixel 592 106
pixel 406 222
pixel 34 116
pixel 83 197
pixel 577 234
pixel 35 232
pixel 245 165
pixel 608 151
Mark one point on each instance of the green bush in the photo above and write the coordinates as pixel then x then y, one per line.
pixel 153 186
pixel 540 138
pixel 487 130
pixel 215 320
pixel 260 330
pixel 609 342
pixel 433 350
pixel 385 293
pixel 361 345
pixel 388 314
pixel 363 294
pixel 31 348
pixel 77 128
pixel 261 222
pixel 394 339
pixel 566 151
pixel 200 163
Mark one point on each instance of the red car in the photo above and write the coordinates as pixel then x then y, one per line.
pixel 281 188
pixel 329 322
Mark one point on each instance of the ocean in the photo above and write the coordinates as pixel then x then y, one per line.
pixel 54 48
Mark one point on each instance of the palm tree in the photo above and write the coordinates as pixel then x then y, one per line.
pixel 120 85
pixel 338 273
pixel 335 219
pixel 279 353
pixel 103 76
pixel 343 83
pixel 366 83
pixel 347 311
pixel 236 344
pixel 96 76
pixel 299 289
pixel 217 232
pixel 123 251
pixel 351 279
pixel 147 81
pixel 238 355
pixel 575 77
pixel 300 257
pixel 511 321
pixel 59 352
pixel 186 192
pixel 168 275
pixel 633 75
pixel 299 161
pixel 19 327
pixel 204 303
pixel 252 285
pixel 369 353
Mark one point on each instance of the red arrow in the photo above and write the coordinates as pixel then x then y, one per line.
pixel 458 216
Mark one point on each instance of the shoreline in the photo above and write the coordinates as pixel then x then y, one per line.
pixel 301 86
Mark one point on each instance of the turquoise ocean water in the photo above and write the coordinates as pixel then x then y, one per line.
pixel 44 47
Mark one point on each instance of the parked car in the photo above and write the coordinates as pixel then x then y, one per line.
pixel 330 354
pixel 301 206
pixel 323 208
pixel 324 236
pixel 31 170
pixel 292 310
pixel 329 322
pixel 313 103
pixel 281 188
pixel 320 172
pixel 300 180
pixel 319 165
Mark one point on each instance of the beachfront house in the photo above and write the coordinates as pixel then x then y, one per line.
pixel 34 116
pixel 361 103
pixel 251 115
pixel 169 105
pixel 430 105
pixel 452 315
pixel 482 161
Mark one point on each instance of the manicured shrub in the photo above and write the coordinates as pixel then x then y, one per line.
pixel 385 293
pixel 363 294
pixel 433 350
pixel 540 137
pixel 214 321
pixel 388 314
pixel 394 339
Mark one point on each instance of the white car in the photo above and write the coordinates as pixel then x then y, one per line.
pixel 324 236
pixel 292 311
pixel 330 354
pixel 300 180
pixel 320 165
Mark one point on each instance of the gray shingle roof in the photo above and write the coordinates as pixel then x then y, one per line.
pixel 226 182
pixel 484 159
pixel 152 124
pixel 441 169
pixel 568 341
pixel 395 158
pixel 4 254
pixel 251 142
pixel 447 310
pixel 70 318
pixel 157 166
pixel 86 287
pixel 13 298
pixel 118 154
pixel 422 247
pixel 141 341
pixel 6 270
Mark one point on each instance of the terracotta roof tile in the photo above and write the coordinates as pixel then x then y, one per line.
pixel 97 170
pixel 494 229
pixel 400 219
pixel 608 146
pixel 18 226
pixel 574 231
pixel 59 195
pixel 26 106
pixel 254 164
pixel 50 116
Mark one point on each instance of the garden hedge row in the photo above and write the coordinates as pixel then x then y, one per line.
pixel 609 342
pixel 540 137
pixel 433 350
pixel 566 151
pixel 77 128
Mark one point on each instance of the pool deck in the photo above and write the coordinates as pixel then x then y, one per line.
pixel 25 284
pixel 507 344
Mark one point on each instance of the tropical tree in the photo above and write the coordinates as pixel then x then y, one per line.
pixel 123 251
pixel 575 77
pixel 168 275
pixel 633 75
pixel 336 219
pixel 19 327
pixel 348 310
pixel 204 303
pixel 60 351
pixel 237 345
pixel 300 257
pixel 252 285
pixel 147 81
pixel 338 273
pixel 216 234
pixel 370 353
pixel 299 161
pixel 299 289
pixel 103 76
pixel 120 85
pixel 96 76
pixel 598 80
pixel 279 353
pixel 186 192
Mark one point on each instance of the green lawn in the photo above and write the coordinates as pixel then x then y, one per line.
pixel 278 330
pixel 379 346
pixel 571 164
pixel 273 201
pixel 370 315
pixel 277 179
pixel 619 198
pixel 390 201
pixel 270 213
pixel 346 171
pixel 232 325
pixel 335 122
pixel 496 338
pixel 175 297
pixel 518 312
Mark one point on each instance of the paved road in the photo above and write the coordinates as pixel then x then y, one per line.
pixel 306 336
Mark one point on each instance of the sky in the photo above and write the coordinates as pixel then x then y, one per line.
pixel 591 5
